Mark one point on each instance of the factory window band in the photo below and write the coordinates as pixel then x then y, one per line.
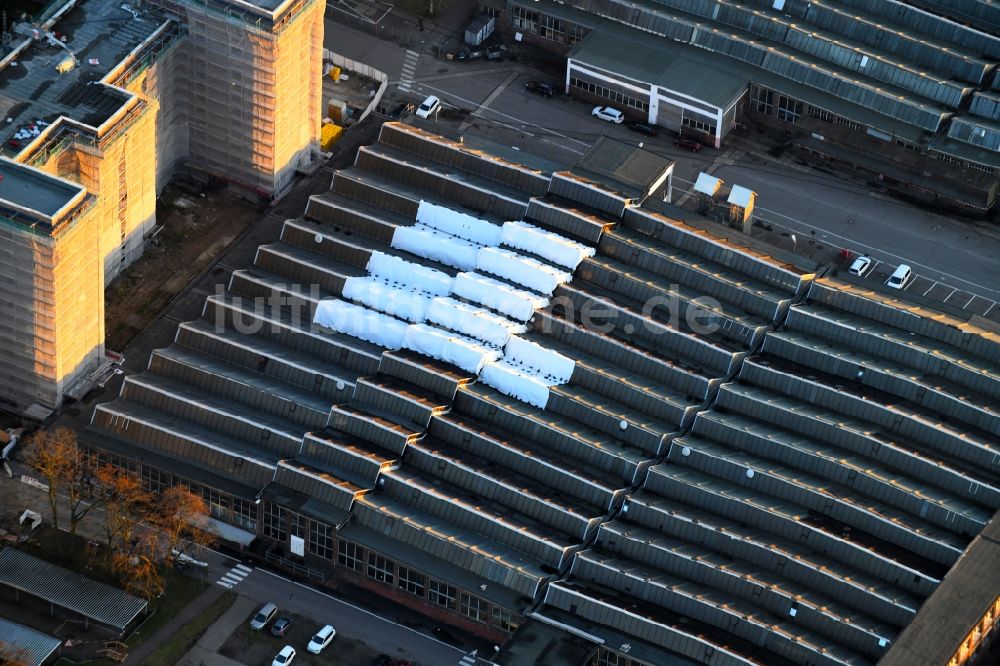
pixel 789 109
pixel 350 555
pixel 411 581
pixel 381 568
pixel 609 94
pixel 442 594
pixel 762 100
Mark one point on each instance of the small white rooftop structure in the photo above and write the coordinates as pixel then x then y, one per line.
pixel 706 184
pixel 741 196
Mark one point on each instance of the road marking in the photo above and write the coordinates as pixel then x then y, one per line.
pixel 489 100
pixel 234 576
pixel 943 300
pixel 409 70
pixel 933 284
pixel 969 301
pixel 520 121
pixel 765 213
pixel 990 308
pixel 350 605
pixel 467 661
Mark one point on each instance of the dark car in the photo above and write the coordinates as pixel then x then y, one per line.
pixel 280 626
pixel 541 87
pixel 687 143
pixel 643 128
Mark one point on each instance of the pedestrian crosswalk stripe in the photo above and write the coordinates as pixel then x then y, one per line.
pixel 234 576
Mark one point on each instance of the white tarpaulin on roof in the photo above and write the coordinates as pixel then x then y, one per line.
pixel 551 366
pixel 458 224
pixel 521 270
pixel 469 355
pixel 403 303
pixel 547 245
pixel 395 270
pixel 514 382
pixel 436 245
pixel 360 322
pixel 472 321
pixel 517 304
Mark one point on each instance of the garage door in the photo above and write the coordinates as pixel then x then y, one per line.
pixel 668 115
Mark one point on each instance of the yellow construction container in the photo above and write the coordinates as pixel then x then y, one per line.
pixel 328 136
pixel 335 73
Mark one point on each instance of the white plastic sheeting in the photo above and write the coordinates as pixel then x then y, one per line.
pixel 377 294
pixel 531 357
pixel 472 321
pixel 517 304
pixel 398 271
pixel 521 270
pixel 436 245
pixel 458 224
pixel 547 245
pixel 360 322
pixel 512 381
pixel 468 354
pixel 527 371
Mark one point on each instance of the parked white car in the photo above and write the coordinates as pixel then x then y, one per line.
pixel 607 113
pixel 321 639
pixel 428 107
pixel 285 657
pixel 899 277
pixel 860 265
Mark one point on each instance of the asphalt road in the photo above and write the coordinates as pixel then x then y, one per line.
pixel 811 204
pixel 377 632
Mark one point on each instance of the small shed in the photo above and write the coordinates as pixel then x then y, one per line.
pixel 479 30
pixel 706 187
pixel 741 201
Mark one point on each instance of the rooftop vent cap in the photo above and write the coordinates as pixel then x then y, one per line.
pixel 686 451
pixel 623 424
pixel 750 473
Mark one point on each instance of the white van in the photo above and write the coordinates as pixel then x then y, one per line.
pixel 899 277
pixel 428 107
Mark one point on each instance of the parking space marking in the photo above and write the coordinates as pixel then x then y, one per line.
pixel 969 301
pixel 990 309
pixel 943 300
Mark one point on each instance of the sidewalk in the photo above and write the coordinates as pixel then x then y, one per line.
pixel 150 645
pixel 206 650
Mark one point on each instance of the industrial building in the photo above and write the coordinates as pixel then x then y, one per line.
pixel 904 90
pixel 547 404
pixel 100 103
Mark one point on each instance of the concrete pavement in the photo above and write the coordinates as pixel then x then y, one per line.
pixel 206 651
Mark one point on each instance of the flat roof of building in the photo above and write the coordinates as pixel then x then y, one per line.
pixel 537 642
pixel 668 64
pixel 33 190
pixel 99 602
pixel 98 35
pixel 958 603
pixel 622 167
pixel 24 645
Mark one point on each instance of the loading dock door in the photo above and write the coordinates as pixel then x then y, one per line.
pixel 668 115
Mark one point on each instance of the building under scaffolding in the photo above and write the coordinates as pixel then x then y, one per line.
pixel 115 98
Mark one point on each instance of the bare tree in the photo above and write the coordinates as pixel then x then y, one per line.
pixel 180 516
pixel 125 503
pixel 137 566
pixel 53 454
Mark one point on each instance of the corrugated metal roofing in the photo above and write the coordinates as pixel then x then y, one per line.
pixel 31 647
pixel 100 602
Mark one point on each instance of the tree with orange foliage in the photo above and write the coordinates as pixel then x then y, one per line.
pixel 13 655
pixel 68 470
pixel 126 504
pixel 181 516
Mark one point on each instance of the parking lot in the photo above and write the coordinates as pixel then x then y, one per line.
pixel 937 291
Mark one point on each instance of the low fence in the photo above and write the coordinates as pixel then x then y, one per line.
pixel 361 69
